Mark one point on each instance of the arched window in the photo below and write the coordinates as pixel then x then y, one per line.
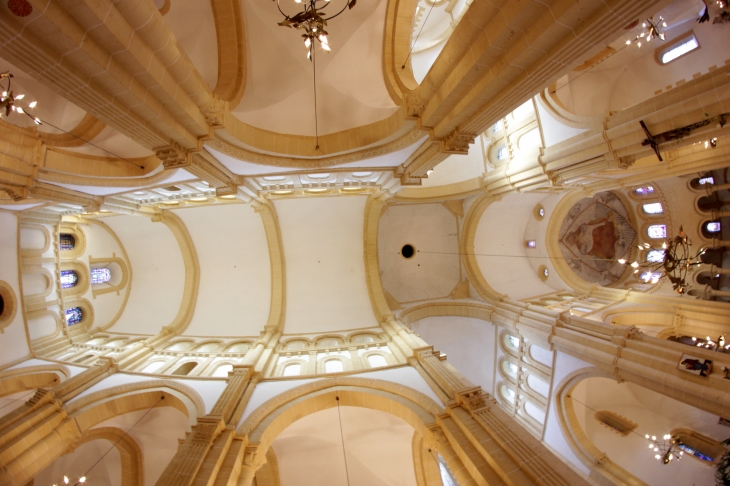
pixel 328 343
pixel 497 126
pixel 294 369
pixel 706 180
pixel 653 208
pixel 643 191
pixel 713 227
pixel 512 342
pixel 74 316
pixel 376 361
pixel 699 446
pixel 68 279
pixel 502 153
pixel 152 367
pixel 185 368
pixel 296 345
pixel 655 256
pixel 333 366
pixel 507 393
pixel 509 368
pixel 657 231
pixel 238 348
pixel 100 275
pixel 67 241
pixel 680 47
pixel 651 277
pixel 223 370
pixel 362 339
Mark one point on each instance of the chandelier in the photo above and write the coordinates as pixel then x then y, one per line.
pixel 653 29
pixel 8 100
pixel 676 262
pixel 666 449
pixel 313 20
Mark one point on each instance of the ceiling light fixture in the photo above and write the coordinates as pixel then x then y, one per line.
pixel 653 30
pixel 312 20
pixel 7 99
pixel 666 449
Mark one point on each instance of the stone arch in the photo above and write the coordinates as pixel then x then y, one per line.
pixel 105 404
pixel 87 310
pixel 32 377
pixel 9 305
pixel 396 43
pixel 130 454
pixel 388 357
pixel 82 272
pixel 274 416
pixel 25 238
pixel 118 265
pixel 592 457
pixel 451 309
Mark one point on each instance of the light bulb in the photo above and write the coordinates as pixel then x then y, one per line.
pixel 656 449
pixel 642 34
pixel 653 437
pixel 326 47
pixel 651 446
pixel 19 110
pixel 646 245
pixel 694 339
pixel 65 480
pixel 635 264
pixel 5 93
pixel 309 54
pixel 82 479
pixel 323 39
pixel 643 24
pixel 647 436
pixel 628 42
pixel 621 261
pixel 658 456
pixel 664 24
pixel 13 107
pixel 37 120
pixel 638 44
pixel 307 42
pixel 32 104
pixel 20 97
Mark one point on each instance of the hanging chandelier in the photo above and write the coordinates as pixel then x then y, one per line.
pixel 8 100
pixel 666 449
pixel 312 21
pixel 676 261
pixel 653 29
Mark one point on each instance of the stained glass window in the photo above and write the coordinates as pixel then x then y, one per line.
pixel 655 256
pixel 694 452
pixel 68 279
pixel 68 242
pixel 713 227
pixel 651 277
pixel 531 244
pixel 100 275
pixel 73 315
pixel 541 212
pixel 642 191
pixel 657 231
pixel 653 208
pixel 706 180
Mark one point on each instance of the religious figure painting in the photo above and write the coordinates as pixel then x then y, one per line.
pixel 695 365
pixel 594 235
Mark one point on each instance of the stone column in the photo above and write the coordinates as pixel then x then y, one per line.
pixel 36 433
pixel 212 447
pixel 254 353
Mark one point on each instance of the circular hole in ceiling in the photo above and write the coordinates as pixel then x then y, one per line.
pixel 407 251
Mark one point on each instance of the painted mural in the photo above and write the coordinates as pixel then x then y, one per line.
pixel 596 233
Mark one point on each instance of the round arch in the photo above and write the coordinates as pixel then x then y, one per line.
pixel 130 454
pixel 271 418
pixel 32 377
pixel 97 407
pixel 577 439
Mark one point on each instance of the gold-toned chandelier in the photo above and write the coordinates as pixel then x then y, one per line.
pixel 9 100
pixel 313 21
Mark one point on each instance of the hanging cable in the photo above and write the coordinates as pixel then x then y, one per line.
pixel 83 478
pixel 314 72
pixel 342 438
pixel 419 35
pixel 19 398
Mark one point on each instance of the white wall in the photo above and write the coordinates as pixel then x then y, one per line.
pixel 469 345
pixel 325 270
pixel 235 271
pixel 13 341
pixel 457 168
pixel 159 274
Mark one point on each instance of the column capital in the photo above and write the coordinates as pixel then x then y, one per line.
pixel 471 399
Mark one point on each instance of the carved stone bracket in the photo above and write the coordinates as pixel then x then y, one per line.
pixel 173 156
pixel 214 112
pixel 207 429
pixel 415 105
pixel 471 399
pixel 457 142
pixel 252 458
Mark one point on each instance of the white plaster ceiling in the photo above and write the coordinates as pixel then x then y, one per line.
pixel 378 447
pixel 325 270
pixel 111 143
pixel 158 274
pixel 177 175
pixel 79 463
pixel 235 273
pixel 279 86
pixel 458 168
pixel 434 271
pixel 500 250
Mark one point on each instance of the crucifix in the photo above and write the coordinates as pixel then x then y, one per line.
pixel 677 133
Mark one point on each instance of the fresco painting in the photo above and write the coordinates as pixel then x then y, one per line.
pixel 595 234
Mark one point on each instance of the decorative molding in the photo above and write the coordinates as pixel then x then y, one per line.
pixel 457 142
pixel 173 156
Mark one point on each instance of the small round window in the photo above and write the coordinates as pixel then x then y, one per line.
pixel 408 251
